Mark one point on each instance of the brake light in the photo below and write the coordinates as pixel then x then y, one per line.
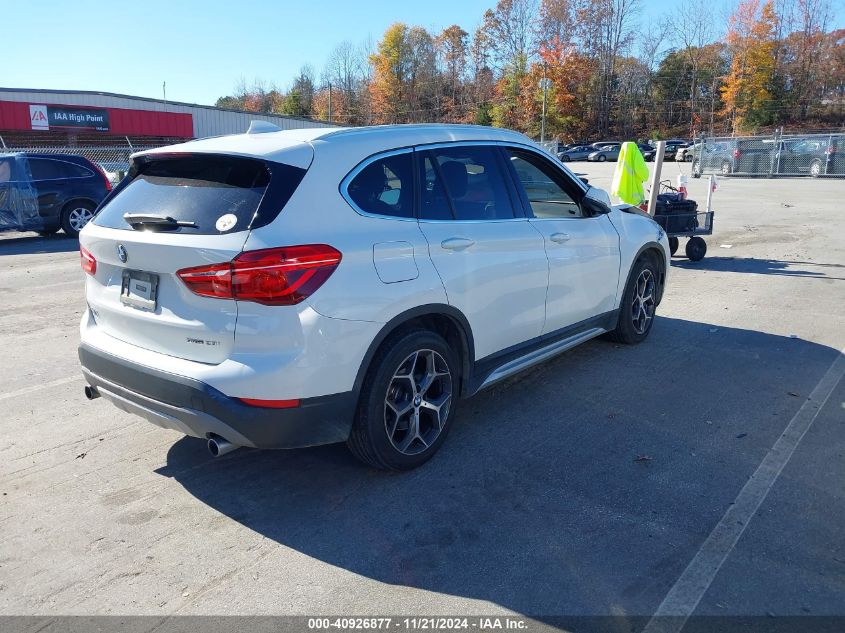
pixel 273 276
pixel 271 404
pixel 103 174
pixel 737 153
pixel 89 264
pixel 831 149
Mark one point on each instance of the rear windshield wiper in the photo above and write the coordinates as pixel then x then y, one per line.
pixel 136 220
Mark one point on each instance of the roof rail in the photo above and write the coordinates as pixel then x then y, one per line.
pixel 262 127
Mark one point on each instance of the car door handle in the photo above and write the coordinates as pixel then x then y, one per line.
pixel 560 238
pixel 457 243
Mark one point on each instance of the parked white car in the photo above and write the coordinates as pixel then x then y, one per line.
pixel 286 289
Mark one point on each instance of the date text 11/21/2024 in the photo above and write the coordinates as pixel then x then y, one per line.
pixel 480 623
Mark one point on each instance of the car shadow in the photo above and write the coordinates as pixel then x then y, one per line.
pixel 756 266
pixel 33 244
pixel 581 487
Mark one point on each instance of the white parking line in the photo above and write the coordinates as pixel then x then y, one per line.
pixel 44 385
pixel 684 596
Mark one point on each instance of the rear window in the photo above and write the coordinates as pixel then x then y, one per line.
pixel 219 194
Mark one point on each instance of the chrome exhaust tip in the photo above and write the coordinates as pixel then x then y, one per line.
pixel 91 392
pixel 218 447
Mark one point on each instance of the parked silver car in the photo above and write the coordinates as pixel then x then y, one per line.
pixel 579 152
pixel 606 152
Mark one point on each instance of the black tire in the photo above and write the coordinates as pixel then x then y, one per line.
pixel 47 232
pixel 627 330
pixel 816 168
pixel 601 158
pixel 564 158
pixel 370 440
pixel 696 249
pixel 726 168
pixel 673 245
pixel 71 216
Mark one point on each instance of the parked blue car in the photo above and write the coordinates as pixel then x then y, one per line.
pixel 48 192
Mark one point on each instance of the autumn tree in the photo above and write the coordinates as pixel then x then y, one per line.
pixel 693 28
pixel 604 30
pixel 803 51
pixel 452 47
pixel 343 76
pixel 778 64
pixel 482 83
pixel 747 92
pixel 568 73
pixel 390 71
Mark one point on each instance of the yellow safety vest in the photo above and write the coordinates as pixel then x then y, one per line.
pixel 631 172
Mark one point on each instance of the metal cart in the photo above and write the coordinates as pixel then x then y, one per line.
pixel 696 224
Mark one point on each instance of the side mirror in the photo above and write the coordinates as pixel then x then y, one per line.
pixel 584 180
pixel 596 202
pixel 594 207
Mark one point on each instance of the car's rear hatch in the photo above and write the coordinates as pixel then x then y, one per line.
pixel 175 212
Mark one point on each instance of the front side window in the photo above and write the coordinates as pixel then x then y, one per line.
pixel 544 186
pixel 463 183
pixel 385 186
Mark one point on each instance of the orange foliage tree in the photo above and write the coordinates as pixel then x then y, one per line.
pixel 752 42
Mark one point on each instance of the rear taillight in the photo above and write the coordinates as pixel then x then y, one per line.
pixel 89 264
pixel 737 153
pixel 831 149
pixel 274 276
pixel 103 174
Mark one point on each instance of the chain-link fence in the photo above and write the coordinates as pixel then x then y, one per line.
pixel 816 155
pixel 112 159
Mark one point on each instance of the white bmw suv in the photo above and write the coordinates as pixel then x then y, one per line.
pixel 281 289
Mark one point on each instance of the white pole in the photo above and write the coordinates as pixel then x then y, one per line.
pixel 709 191
pixel 654 184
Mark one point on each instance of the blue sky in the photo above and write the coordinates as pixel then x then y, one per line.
pixel 202 47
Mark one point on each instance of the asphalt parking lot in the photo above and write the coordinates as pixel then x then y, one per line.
pixel 586 486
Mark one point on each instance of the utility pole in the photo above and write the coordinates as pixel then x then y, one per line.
pixel 712 102
pixel 330 102
pixel 164 93
pixel 544 84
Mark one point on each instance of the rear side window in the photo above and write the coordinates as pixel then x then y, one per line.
pixel 220 194
pixel 76 171
pixel 45 169
pixel 385 186
pixel 50 169
pixel 466 182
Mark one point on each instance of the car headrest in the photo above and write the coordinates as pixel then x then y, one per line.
pixel 455 175
pixel 370 182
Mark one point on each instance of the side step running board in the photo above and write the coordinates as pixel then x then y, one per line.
pixel 539 355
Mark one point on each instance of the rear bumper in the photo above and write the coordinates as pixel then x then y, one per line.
pixel 197 409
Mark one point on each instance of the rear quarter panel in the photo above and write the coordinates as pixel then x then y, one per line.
pixel 318 214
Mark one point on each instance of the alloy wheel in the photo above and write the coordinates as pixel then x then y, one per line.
pixel 643 304
pixel 79 217
pixel 417 402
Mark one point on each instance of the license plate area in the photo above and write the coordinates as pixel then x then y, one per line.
pixel 139 290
